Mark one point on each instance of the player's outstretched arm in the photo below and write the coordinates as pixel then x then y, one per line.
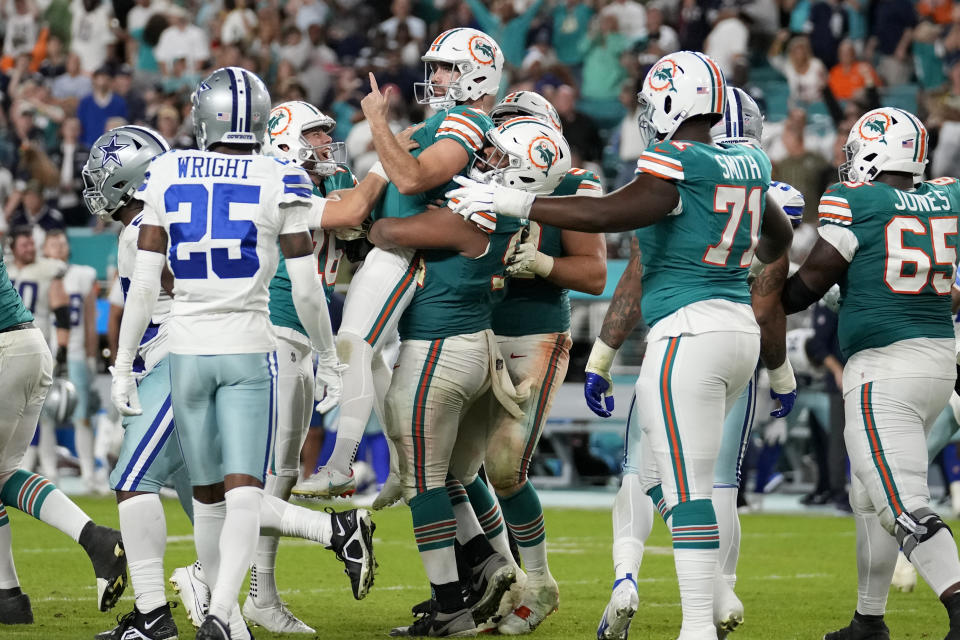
pixel 350 207
pixel 432 229
pixel 822 269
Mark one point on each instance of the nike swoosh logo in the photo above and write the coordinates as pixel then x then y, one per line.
pixel 514 356
pixel 149 625
pixel 342 530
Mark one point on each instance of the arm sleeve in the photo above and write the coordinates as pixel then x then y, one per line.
pixel 314 217
pixel 141 299
pixel 310 301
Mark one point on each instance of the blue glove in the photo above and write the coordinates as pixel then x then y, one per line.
pixel 595 389
pixel 786 403
pixel 790 199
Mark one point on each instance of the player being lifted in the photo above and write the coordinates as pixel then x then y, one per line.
pixel 462 75
pixel 890 241
pixel 633 509
pixel 222 212
pixel 699 210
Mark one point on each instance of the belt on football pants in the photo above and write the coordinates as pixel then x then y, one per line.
pixel 19 326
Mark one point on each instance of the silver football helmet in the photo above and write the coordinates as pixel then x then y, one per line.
pixel 231 106
pixel 116 165
pixel 61 401
pixel 742 121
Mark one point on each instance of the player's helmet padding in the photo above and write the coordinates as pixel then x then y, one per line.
pixel 885 139
pixel 116 166
pixel 288 123
pixel 470 55
pixel 527 154
pixel 230 106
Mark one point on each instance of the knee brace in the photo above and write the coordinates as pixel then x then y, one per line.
pixel 913 528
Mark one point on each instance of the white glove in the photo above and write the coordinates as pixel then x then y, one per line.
pixel 475 196
pixel 528 262
pixel 328 382
pixel 831 299
pixel 123 391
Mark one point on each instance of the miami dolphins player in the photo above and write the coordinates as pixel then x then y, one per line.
pixel 632 513
pixel 699 210
pixel 462 75
pixel 300 133
pixel 222 350
pixel 890 241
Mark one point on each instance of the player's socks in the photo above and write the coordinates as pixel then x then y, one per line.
pixel 208 522
pixel 263 585
pixel 485 510
pixel 524 517
pixel 695 547
pixel 876 558
pixel 656 495
pixel 237 544
pixel 144 530
pixel 8 572
pixel 728 523
pixel 357 401
pixel 280 518
pixel 83 439
pixel 632 523
pixel 435 529
pixel 36 495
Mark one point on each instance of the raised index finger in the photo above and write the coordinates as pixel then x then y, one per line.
pixel 373 84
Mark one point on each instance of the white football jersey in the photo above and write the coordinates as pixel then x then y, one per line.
pixel 32 282
pixel 223 214
pixel 78 282
pixel 153 344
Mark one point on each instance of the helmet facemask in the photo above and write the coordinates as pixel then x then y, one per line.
pixel 321 159
pixel 648 131
pixel 93 197
pixel 426 92
pixel 493 161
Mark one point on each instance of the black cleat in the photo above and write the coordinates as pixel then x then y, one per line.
pixel 16 610
pixel 156 625
pixel 858 630
pixel 434 624
pixel 490 581
pixel 104 546
pixel 213 628
pixel 352 541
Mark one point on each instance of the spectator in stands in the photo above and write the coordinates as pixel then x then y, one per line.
pixel 827 24
pixel 951 39
pixel 69 158
pixel 71 85
pixel 727 43
pixel 944 108
pixel 806 75
pixel 123 87
pixel 31 210
pixel 93 31
pixel 571 19
pixel 28 138
pixel 145 23
pixel 239 25
pixel 21 29
pixel 939 11
pixel 850 78
pixel 400 15
pixel 891 32
pixel 631 18
pixel 311 12
pixel 94 110
pixel 626 138
pixel 602 72
pixel 169 125
pixel 661 37
pixel 504 25
pixel 295 48
pixel 579 130
pixel 807 171
pixel 693 25
pixel 181 41
pixel 55 61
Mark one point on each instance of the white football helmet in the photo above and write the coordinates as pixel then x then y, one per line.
pixel 526 154
pixel 471 53
pixel 526 103
pixel 742 122
pixel 679 86
pixel 885 139
pixel 285 139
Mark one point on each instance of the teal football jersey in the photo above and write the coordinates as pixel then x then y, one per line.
pixel 12 310
pixel 464 125
pixel 533 304
pixel 702 250
pixel 904 246
pixel 282 311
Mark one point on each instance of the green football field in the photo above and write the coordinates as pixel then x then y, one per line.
pixel 797 580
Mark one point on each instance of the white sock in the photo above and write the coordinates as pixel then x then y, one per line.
pixel 877 553
pixel 357 401
pixel 8 572
pixel 144 531
pixel 632 523
pixel 238 541
pixel 208 522
pixel 382 376
pixel 60 512
pixel 238 626
pixel 47 448
pixel 728 523
pixel 279 518
pixel 263 584
pixel 936 561
pixel 696 569
pixel 468 527
pixel 83 439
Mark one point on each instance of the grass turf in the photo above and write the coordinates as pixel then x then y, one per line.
pixel 797 580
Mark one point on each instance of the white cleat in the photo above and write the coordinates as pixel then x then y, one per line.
pixel 193 592
pixel 327 483
pixel 615 623
pixel 275 618
pixel 727 608
pixel 390 493
pixel 537 601
pixel 904 575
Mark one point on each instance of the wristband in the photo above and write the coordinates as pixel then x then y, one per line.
pixel 601 357
pixel 377 170
pixel 782 379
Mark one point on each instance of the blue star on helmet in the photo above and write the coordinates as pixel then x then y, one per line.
pixel 110 151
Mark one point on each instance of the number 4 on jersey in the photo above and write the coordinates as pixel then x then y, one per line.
pixel 734 200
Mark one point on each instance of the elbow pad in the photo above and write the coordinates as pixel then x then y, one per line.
pixel 61 317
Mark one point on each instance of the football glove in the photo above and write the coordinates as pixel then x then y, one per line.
pixel 790 200
pixel 473 196
pixel 598 386
pixel 123 392
pixel 783 387
pixel 526 261
pixel 328 381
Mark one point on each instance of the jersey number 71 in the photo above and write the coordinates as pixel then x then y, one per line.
pixel 734 200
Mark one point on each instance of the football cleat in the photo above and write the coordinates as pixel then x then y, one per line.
pixel 275 618
pixel 213 628
pixel 104 546
pixel 156 625
pixel 858 630
pixel 537 601
pixel 16 610
pixel 390 493
pixel 727 608
pixel 434 624
pixel 193 592
pixel 490 581
pixel 352 541
pixel 327 483
pixel 904 575
pixel 615 623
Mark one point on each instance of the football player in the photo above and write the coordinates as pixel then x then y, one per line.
pixel 889 240
pixel 82 289
pixel 462 75
pixel 222 351
pixel 698 211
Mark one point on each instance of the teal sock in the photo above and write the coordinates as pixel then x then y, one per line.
pixel 37 496
pixel 486 508
pixel 695 525
pixel 524 516
pixel 435 529
pixel 656 494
